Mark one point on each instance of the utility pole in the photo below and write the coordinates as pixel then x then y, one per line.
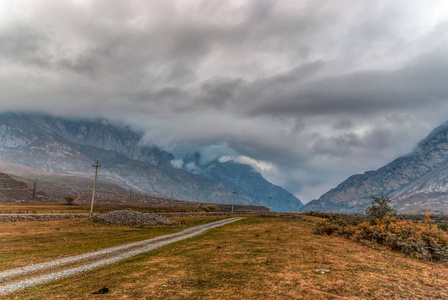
pixel 130 195
pixel 296 208
pixel 270 204
pixel 233 199
pixel 34 191
pixel 289 208
pixel 94 186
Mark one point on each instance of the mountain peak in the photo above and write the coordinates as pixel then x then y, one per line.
pixel 244 178
pixel 419 173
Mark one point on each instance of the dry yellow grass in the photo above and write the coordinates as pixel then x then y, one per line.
pixel 23 243
pixel 257 258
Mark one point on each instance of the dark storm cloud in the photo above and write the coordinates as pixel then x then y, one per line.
pixel 218 91
pixel 418 84
pixel 304 90
pixel 21 43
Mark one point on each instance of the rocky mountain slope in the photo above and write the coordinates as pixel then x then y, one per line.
pixel 415 182
pixel 244 178
pixel 54 188
pixel 17 191
pixel 64 146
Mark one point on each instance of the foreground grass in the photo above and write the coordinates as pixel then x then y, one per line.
pixel 23 243
pixel 257 258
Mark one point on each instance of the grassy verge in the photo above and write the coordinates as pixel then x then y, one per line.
pixel 257 258
pixel 23 243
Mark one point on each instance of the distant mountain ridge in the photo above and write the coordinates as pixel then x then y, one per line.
pixel 245 178
pixel 70 146
pixel 415 182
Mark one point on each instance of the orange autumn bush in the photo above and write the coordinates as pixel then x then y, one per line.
pixel 422 239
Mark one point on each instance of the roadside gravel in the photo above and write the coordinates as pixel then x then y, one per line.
pixel 101 257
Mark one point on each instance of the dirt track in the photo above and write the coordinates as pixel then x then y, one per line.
pixel 95 259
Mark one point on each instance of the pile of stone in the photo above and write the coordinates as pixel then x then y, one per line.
pixel 38 217
pixel 133 218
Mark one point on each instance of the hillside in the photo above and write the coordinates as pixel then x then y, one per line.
pixel 415 182
pixel 16 191
pixel 55 187
pixel 69 147
pixel 244 178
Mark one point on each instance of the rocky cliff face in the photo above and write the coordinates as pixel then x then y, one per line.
pixel 65 146
pixel 105 136
pixel 415 182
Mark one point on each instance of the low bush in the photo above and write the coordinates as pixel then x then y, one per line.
pixel 422 239
pixel 443 226
pixel 318 214
pixel 328 228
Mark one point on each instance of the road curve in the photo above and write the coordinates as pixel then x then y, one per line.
pixel 97 258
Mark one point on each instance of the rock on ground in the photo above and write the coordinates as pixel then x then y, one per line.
pixel 134 218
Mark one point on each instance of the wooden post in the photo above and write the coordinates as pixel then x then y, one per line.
pixel 94 186
pixel 270 204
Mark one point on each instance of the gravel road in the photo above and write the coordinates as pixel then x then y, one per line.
pixel 97 258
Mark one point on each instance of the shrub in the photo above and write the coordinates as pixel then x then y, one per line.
pixel 443 226
pixel 69 200
pixel 423 239
pixel 326 227
pixel 334 224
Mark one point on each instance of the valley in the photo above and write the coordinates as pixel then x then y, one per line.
pixel 260 257
pixel 218 150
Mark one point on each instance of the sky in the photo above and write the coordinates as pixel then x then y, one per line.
pixel 307 92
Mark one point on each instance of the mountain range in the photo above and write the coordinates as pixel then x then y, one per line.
pixel 70 146
pixel 415 182
pixel 244 178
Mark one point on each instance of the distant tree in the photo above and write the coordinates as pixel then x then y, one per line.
pixel 69 200
pixel 380 208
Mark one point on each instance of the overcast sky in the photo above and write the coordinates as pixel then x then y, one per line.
pixel 308 92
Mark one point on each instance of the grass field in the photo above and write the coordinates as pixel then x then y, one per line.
pixel 257 258
pixel 23 243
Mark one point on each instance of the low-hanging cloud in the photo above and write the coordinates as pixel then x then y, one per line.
pixel 317 90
